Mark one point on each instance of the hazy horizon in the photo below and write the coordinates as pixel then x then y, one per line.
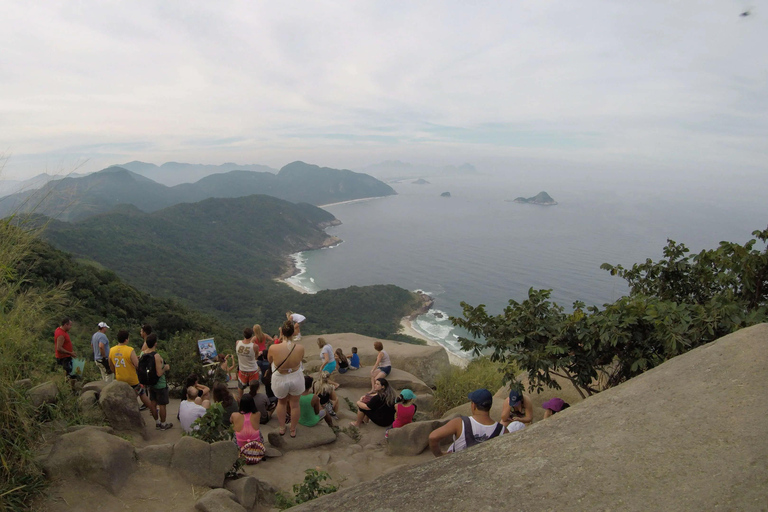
pixel 596 86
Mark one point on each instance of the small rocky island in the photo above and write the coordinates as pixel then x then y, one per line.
pixel 542 198
pixel 445 194
pixel 420 181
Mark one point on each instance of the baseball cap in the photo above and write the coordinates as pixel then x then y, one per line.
pixel 481 397
pixel 407 394
pixel 554 404
pixel 515 397
pixel 103 325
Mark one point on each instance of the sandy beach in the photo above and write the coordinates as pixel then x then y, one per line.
pixel 294 286
pixel 407 328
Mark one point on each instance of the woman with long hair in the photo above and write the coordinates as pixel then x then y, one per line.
pixel 246 425
pixel 287 377
pixel 380 409
pixel 222 395
pixel 261 338
pixel 326 392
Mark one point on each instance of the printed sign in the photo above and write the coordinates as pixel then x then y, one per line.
pixel 207 350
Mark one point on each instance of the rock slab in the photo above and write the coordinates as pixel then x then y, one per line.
pixel 219 500
pixel 306 437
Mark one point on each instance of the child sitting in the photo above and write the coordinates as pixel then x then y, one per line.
pixel 354 360
pixel 404 410
pixel 341 361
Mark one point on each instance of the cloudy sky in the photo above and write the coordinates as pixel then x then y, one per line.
pixel 628 86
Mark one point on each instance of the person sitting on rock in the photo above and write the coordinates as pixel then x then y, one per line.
pixel 342 363
pixel 380 409
pixel 203 391
pixel 263 404
pixel 310 410
pixel 327 394
pixel 190 410
pixel 382 366
pixel 246 425
pixel 553 406
pixel 468 431
pixel 516 408
pixel 404 410
pixel 354 360
pixel 222 396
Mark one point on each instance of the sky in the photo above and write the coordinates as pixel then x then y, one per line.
pixel 627 87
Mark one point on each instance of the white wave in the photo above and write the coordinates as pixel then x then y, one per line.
pixel 436 326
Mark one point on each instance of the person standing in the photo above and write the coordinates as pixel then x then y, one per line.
pixel 287 377
pixel 123 361
pixel 63 350
pixel 247 368
pixel 158 394
pixel 468 431
pixel 100 345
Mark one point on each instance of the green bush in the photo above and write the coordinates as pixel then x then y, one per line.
pixel 453 385
pixel 210 427
pixel 308 490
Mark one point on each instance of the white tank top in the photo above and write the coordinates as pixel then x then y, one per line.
pixel 246 356
pixel 384 360
pixel 480 431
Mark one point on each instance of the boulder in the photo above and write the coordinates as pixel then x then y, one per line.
pixel 96 385
pixel 397 378
pixel 157 454
pixel 689 434
pixel 219 500
pixel 224 454
pixel 201 463
pixel 45 393
pixel 245 489
pixel 93 455
pixel 118 401
pixel 306 437
pixel 75 428
pixel 23 384
pixel 413 438
pixel 87 400
pixel 272 452
pixel 424 402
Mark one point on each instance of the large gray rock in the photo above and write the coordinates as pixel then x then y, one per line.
pixel 202 463
pixel 688 435
pixel 45 393
pixel 118 401
pixel 23 384
pixel 426 362
pixel 219 500
pixel 245 489
pixel 96 385
pixel 306 437
pixel 397 378
pixel 87 400
pixel 93 455
pixel 413 438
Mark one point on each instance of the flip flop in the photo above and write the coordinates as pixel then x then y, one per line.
pixel 293 433
pixel 281 431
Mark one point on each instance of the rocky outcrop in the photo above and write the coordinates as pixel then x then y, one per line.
pixel 93 455
pixel 45 393
pixel 398 379
pixel 202 463
pixel 688 435
pixel 219 500
pixel 306 437
pixel 425 361
pixel 413 438
pixel 118 401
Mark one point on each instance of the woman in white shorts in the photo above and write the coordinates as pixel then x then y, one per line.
pixel 287 377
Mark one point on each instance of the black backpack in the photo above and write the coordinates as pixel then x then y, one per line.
pixel 147 370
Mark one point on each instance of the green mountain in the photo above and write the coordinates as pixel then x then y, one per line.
pixel 175 173
pixel 79 198
pixel 222 255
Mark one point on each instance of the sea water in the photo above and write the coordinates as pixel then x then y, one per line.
pixel 479 247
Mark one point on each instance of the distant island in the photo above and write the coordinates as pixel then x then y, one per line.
pixel 420 181
pixel 445 194
pixel 542 198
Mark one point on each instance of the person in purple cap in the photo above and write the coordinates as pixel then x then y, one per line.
pixel 468 431
pixel 516 408
pixel 554 405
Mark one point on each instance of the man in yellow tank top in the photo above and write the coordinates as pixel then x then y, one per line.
pixel 124 361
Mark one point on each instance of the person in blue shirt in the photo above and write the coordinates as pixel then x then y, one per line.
pixel 354 360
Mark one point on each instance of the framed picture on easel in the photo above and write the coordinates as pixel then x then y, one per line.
pixel 207 349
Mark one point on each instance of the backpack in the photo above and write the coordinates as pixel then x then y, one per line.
pixel 147 371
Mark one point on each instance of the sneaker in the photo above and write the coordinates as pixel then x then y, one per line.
pixel 297 337
pixel 167 426
pixel 143 407
pixel 159 426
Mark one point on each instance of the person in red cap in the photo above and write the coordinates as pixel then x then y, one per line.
pixel 468 431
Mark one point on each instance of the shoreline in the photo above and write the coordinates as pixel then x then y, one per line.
pixel 407 328
pixel 351 201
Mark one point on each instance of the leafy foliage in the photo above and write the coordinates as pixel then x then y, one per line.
pixel 210 426
pixel 676 304
pixel 311 488
pixel 453 385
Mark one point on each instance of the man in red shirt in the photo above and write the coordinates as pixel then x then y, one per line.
pixel 64 351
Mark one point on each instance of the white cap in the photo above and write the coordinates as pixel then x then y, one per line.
pixel 103 325
pixel 515 426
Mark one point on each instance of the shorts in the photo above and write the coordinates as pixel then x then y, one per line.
pixel 244 379
pixel 330 367
pixel 159 396
pixel 66 363
pixel 284 384
pixel 385 369
pixel 139 389
pixel 343 370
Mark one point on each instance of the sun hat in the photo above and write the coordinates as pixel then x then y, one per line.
pixel 481 397
pixel 515 397
pixel 554 404
pixel 103 325
pixel 407 394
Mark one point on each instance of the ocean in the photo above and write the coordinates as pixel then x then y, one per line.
pixel 479 247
